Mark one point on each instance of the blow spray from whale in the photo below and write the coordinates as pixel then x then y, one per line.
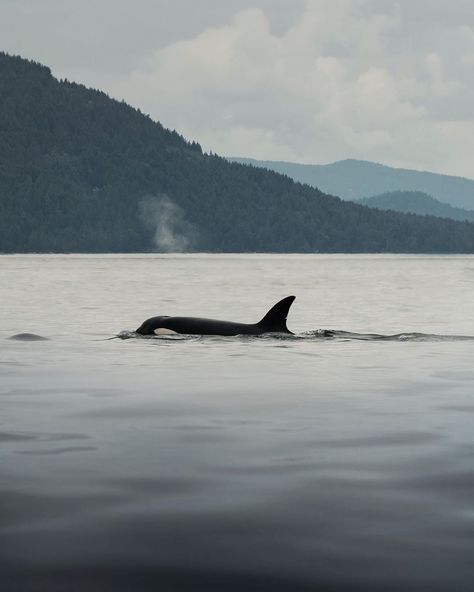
pixel 273 322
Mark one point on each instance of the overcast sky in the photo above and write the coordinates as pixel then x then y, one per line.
pixel 301 80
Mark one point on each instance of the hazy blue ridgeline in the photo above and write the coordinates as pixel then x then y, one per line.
pixel 77 170
pixel 416 202
pixel 356 179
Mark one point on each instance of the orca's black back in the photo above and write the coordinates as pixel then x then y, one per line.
pixel 197 326
pixel 273 322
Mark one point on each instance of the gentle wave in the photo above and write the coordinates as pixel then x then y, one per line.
pixel 316 334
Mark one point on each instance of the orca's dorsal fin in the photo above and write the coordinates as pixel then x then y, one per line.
pixel 275 319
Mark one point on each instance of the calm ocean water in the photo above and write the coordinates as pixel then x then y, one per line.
pixel 237 464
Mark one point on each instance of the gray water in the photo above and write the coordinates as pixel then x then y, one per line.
pixel 324 461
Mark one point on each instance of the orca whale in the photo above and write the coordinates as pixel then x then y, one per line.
pixel 27 337
pixel 273 322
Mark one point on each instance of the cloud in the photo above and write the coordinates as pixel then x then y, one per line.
pixel 349 78
pixel 303 80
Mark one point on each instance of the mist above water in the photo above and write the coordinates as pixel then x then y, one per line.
pixel 171 232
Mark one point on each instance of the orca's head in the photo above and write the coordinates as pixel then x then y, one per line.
pixel 149 326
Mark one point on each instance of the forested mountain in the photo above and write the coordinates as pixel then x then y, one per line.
pixel 82 172
pixel 356 179
pixel 416 202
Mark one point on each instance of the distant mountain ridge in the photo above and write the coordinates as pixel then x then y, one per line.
pixel 416 202
pixel 355 179
pixel 81 172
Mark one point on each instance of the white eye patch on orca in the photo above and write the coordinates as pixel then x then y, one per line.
pixel 164 331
